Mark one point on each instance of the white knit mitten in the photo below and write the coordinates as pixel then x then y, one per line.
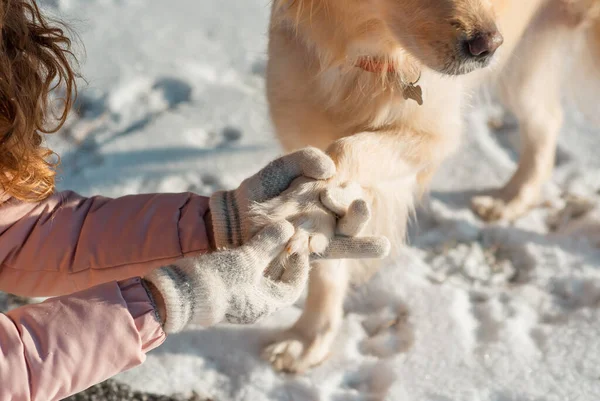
pixel 230 285
pixel 348 202
pixel 328 217
pixel 229 209
pixel 289 189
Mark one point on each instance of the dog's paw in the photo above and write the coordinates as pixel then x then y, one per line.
pixel 286 356
pixel 293 353
pixel 490 208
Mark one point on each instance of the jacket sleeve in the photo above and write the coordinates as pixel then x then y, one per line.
pixel 52 350
pixel 68 242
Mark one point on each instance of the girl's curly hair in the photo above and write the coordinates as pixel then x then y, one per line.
pixel 35 58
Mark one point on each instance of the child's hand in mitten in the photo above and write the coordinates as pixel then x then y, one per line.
pixel 230 285
pixel 230 210
pixel 300 188
pixel 328 217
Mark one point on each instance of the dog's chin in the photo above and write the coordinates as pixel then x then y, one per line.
pixel 461 66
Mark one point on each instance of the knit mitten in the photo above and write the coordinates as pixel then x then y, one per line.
pixel 266 197
pixel 230 284
pixel 229 209
pixel 328 218
pixel 348 202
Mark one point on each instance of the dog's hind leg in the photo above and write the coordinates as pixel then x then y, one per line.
pixel 309 341
pixel 530 86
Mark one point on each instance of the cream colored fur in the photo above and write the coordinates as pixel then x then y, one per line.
pixel 392 146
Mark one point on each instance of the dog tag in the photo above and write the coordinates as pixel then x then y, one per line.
pixel 413 92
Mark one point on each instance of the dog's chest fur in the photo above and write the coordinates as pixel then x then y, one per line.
pixel 360 101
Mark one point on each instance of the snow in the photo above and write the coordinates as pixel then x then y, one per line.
pixel 175 102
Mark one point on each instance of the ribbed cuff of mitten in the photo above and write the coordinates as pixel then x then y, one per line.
pixel 226 220
pixel 176 289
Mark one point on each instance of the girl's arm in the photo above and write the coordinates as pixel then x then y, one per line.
pixel 66 344
pixel 68 242
pixel 57 348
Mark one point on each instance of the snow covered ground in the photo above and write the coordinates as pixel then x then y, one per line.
pixel 174 102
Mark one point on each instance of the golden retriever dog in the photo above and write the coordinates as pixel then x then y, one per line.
pixel 381 86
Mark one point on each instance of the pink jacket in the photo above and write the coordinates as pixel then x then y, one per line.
pixel 86 251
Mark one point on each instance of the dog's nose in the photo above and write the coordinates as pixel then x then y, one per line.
pixel 484 44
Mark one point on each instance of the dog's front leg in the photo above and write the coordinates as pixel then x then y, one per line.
pixel 387 166
pixel 308 342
